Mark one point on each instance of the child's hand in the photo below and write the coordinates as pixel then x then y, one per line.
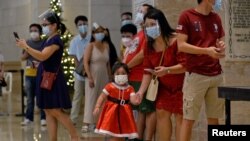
pixel 138 98
pixel 96 111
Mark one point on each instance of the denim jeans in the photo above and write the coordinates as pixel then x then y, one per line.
pixel 30 88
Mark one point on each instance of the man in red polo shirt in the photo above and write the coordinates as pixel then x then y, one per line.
pixel 200 35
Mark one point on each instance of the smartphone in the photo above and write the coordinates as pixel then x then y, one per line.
pixel 149 70
pixel 16 35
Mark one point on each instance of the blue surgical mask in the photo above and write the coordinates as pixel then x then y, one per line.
pixel 139 18
pixel 46 30
pixel 125 22
pixel 217 6
pixel 83 29
pixel 99 36
pixel 153 31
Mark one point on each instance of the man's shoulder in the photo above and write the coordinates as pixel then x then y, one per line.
pixel 187 12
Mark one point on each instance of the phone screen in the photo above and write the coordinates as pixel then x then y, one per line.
pixel 16 35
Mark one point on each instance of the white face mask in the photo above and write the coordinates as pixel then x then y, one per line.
pixel 139 18
pixel 34 35
pixel 121 79
pixel 127 42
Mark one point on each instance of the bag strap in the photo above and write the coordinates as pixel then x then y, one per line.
pixel 162 56
pixel 56 71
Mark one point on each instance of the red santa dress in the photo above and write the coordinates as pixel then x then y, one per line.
pixel 116 118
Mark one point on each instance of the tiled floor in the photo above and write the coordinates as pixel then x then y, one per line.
pixel 10 129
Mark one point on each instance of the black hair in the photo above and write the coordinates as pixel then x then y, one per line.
pixel 80 18
pixel 131 28
pixel 149 7
pixel 113 57
pixel 118 65
pixel 127 13
pixel 166 30
pixel 199 1
pixel 38 26
pixel 54 18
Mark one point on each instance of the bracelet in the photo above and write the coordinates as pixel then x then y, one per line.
pixel 167 70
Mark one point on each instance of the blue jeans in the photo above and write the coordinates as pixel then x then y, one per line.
pixel 30 88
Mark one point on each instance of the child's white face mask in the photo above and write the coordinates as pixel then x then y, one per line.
pixel 121 79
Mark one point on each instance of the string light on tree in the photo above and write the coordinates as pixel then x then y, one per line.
pixel 67 62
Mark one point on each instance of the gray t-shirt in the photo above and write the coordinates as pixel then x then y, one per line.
pixel 35 45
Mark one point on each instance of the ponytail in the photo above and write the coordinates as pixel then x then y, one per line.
pixel 62 28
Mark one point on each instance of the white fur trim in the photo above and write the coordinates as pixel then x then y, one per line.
pixel 105 91
pixel 132 94
pixel 105 132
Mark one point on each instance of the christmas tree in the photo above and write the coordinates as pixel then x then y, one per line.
pixel 67 62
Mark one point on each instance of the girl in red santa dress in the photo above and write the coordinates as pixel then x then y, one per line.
pixel 116 119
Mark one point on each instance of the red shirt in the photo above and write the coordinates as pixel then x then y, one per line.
pixel 139 43
pixel 202 31
pixel 170 85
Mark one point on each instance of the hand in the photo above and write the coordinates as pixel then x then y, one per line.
pixel 21 43
pixel 91 83
pixel 160 71
pixel 139 98
pixel 215 53
pixel 96 111
pixel 220 45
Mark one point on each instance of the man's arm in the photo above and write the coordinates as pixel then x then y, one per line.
pixel 183 46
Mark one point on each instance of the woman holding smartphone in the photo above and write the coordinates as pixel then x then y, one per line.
pixel 54 100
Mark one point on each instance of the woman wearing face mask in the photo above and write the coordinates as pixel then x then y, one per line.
pixel 145 112
pixel 34 42
pixel 54 100
pixel 97 67
pixel 116 119
pixel 161 41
